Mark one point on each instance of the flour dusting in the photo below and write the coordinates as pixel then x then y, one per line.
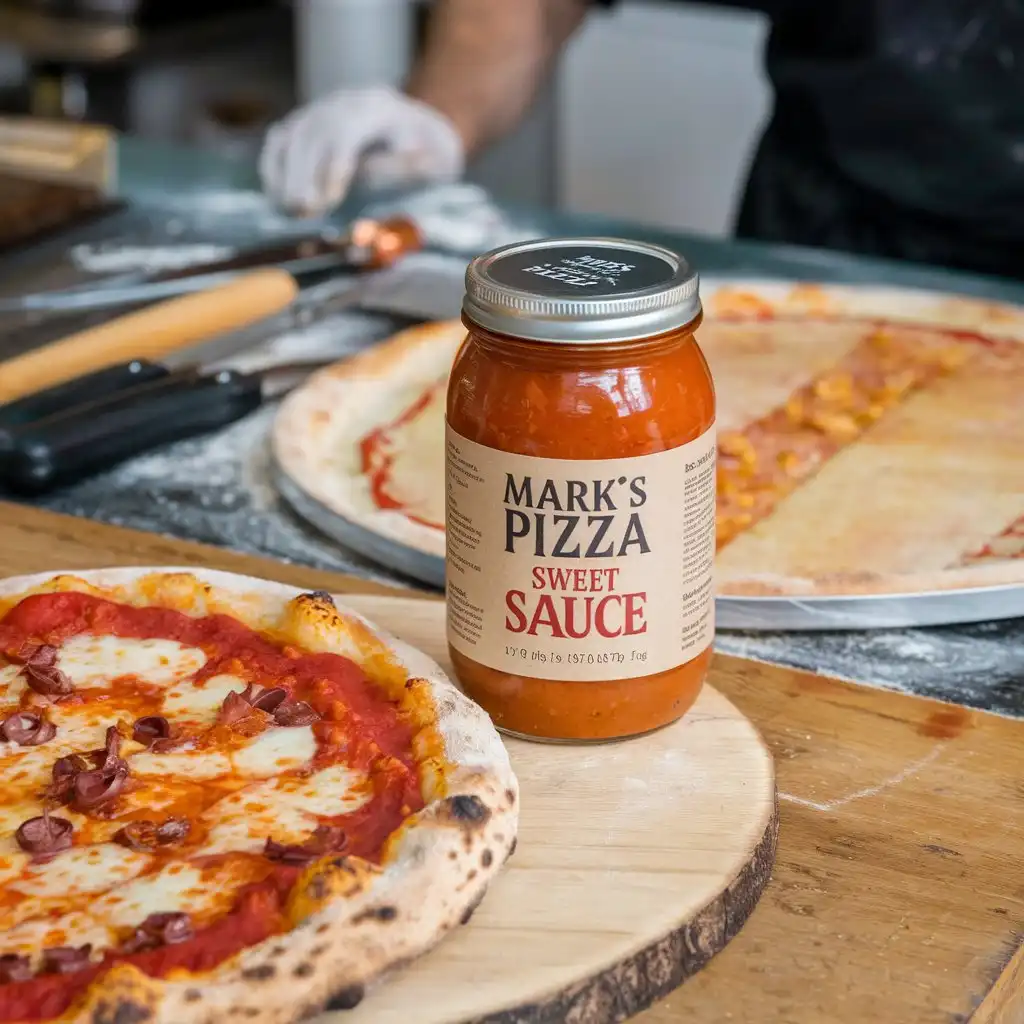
pixel 219 489
pixel 251 209
pixel 670 775
pixel 460 218
pixel 107 258
pixel 980 665
pixel 907 772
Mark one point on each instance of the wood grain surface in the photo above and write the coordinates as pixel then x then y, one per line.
pixel 62 152
pixel 151 332
pixel 898 888
pixel 636 864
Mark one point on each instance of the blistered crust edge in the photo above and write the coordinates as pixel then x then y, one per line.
pixel 357 921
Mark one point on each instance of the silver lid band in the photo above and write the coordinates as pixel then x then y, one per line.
pixel 581 290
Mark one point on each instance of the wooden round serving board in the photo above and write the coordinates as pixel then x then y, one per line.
pixel 927 497
pixel 636 863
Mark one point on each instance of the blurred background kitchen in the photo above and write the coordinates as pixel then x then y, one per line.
pixel 216 73
pixel 650 122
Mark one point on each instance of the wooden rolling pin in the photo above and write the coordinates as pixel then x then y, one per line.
pixel 151 332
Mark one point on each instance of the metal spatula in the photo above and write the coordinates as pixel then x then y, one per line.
pixel 424 286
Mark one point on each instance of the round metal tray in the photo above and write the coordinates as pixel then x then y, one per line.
pixel 418 565
pixel 870 611
pixel 839 613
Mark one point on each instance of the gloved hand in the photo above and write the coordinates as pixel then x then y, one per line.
pixel 310 158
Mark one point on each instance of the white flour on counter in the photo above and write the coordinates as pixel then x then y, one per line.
pixel 219 490
pixel 460 218
pixel 233 208
pixel 457 218
pixel 108 258
pixel 979 665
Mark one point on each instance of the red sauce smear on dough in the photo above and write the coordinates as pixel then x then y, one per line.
pixel 333 685
pixel 1006 545
pixel 377 458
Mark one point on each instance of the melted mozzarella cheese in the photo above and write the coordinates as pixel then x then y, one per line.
pixel 12 684
pixel 82 869
pixel 270 752
pixel 182 764
pixel 31 937
pixel 167 795
pixel 276 751
pixel 248 831
pixel 12 814
pixel 178 887
pixel 200 703
pixel 87 893
pixel 336 789
pixel 93 661
pixel 23 768
pixel 13 860
pixel 79 728
pixel 283 809
pixel 164 891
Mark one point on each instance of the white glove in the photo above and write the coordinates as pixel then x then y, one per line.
pixel 310 158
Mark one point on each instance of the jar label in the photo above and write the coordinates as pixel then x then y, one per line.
pixel 580 569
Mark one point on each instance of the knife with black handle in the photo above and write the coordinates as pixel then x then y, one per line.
pixel 91 387
pixel 88 439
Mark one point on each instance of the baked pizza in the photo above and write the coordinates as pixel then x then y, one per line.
pixel 226 799
pixel 869 438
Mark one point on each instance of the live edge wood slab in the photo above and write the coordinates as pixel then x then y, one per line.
pixel 636 864
pixel 898 888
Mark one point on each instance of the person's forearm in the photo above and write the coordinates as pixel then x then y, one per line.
pixel 485 60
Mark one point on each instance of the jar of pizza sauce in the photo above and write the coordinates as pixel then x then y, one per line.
pixel 580 448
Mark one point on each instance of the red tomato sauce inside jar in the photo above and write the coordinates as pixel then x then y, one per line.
pixel 581 482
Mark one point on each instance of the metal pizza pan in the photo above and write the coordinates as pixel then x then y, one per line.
pixel 871 611
pixel 755 614
pixel 417 565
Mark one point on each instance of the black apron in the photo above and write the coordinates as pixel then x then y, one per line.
pixel 898 131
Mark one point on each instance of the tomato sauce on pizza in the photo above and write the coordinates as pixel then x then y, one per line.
pixel 760 462
pixel 1008 544
pixel 394 463
pixel 167 779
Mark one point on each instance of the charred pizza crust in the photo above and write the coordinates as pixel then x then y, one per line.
pixel 353 920
pixel 319 428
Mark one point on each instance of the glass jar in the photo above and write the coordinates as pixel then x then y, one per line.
pixel 580 487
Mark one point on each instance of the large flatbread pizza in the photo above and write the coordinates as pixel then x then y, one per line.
pixel 224 799
pixel 870 439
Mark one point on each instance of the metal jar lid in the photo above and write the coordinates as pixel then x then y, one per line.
pixel 581 290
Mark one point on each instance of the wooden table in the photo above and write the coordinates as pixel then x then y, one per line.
pixel 898 892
